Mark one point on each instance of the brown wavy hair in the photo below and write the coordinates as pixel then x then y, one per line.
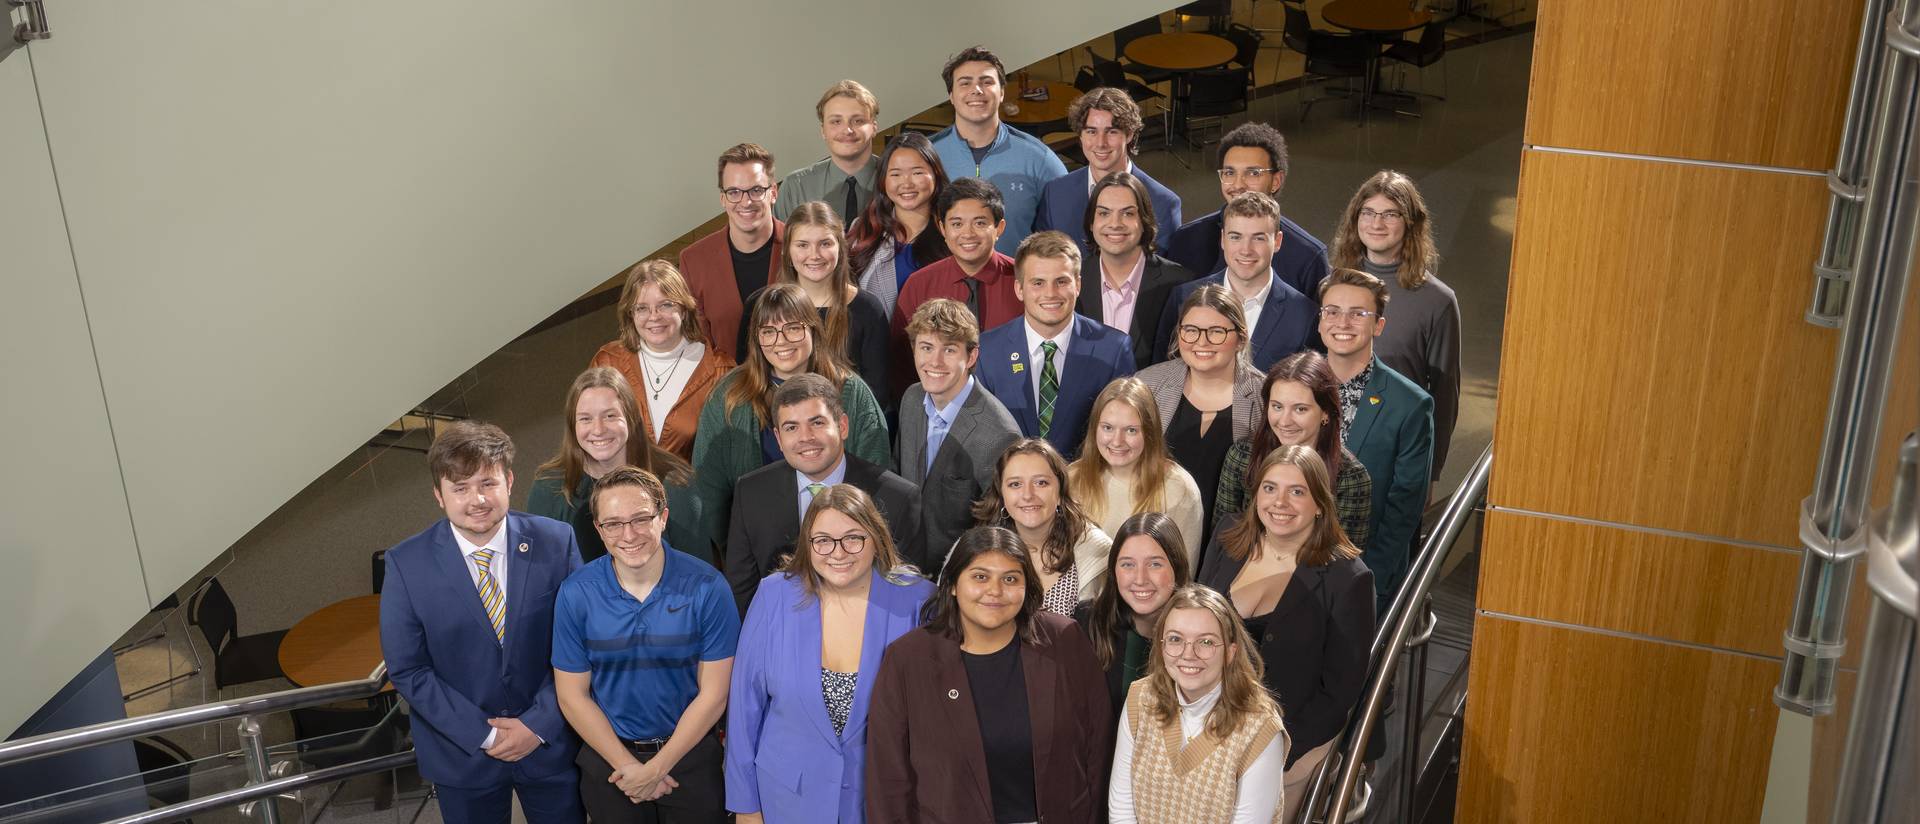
pixel 815 213
pixel 673 287
pixel 1108 614
pixel 1325 544
pixel 850 501
pixel 940 615
pixel 1418 258
pixel 1088 475
pixel 1243 693
pixel 1069 523
pixel 1309 369
pixel 752 383
pixel 642 452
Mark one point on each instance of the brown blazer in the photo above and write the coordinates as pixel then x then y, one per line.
pixel 676 433
pixel 708 268
pixel 925 760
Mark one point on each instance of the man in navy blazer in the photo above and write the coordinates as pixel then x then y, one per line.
pixel 1082 354
pixel 466 624
pixel 1282 319
pixel 1108 122
pixel 1253 158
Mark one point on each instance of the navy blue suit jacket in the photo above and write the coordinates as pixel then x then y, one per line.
pixel 1289 322
pixel 1063 206
pixel 1301 260
pixel 1096 354
pixel 444 659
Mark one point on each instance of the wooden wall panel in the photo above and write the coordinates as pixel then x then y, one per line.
pixel 1727 80
pixel 1568 727
pixel 1656 370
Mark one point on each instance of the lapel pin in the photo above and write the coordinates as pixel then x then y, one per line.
pixel 1375 400
pixel 1018 368
pixel 953 695
pixel 523 546
pixel 1013 356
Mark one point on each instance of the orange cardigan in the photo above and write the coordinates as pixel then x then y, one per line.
pixel 676 432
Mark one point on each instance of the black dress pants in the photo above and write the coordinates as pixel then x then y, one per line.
pixel 700 798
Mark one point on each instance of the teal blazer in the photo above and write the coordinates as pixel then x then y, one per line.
pixel 1392 435
pixel 683 515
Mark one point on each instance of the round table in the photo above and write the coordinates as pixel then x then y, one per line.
pixel 1038 112
pixel 1382 21
pixel 1181 51
pixel 339 642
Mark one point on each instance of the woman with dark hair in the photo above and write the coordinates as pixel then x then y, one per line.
pixel 1208 394
pixel 663 355
pixel 1303 409
pixel 736 426
pixel 890 240
pixel 992 710
pixel 601 416
pixel 814 636
pixel 1306 598
pixel 1031 497
pixel 853 324
pixel 1149 562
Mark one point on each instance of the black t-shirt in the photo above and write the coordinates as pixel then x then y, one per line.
pixel 1006 730
pixel 750 268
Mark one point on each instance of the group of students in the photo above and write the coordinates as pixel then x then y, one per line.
pixel 987 508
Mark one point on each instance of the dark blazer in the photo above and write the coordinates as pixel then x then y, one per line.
pixel 925 760
pixel 1392 435
pixel 1157 283
pixel 1063 207
pixel 707 265
pixel 1289 322
pixel 444 659
pixel 1301 260
pixel 962 470
pixel 1317 642
pixel 766 518
pixel 1096 354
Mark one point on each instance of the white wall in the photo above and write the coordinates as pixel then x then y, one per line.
pixel 292 221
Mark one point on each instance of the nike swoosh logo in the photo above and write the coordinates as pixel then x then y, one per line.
pixel 676 609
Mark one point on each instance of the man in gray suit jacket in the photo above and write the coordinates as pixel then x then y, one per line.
pixel 951 430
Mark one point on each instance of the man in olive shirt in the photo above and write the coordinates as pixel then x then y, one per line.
pixel 845 178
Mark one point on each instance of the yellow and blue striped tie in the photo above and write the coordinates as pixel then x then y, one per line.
pixel 490 594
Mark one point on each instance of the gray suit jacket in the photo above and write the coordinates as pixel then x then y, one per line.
pixel 961 471
pixel 1168 380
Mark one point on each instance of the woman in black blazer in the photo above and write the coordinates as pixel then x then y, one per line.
pixel 1306 600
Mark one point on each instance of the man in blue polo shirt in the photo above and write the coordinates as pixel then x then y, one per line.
pixel 979 145
pixel 643 642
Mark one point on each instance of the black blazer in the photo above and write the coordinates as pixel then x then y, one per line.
pixel 1157 283
pixel 1317 643
pixel 766 517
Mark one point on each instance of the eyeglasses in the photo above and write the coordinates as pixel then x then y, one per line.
pixel 1254 175
pixel 793 332
pixel 665 307
pixel 853 543
pixel 640 521
pixel 1388 216
pixel 1204 647
pixel 1216 335
pixel 734 195
pixel 1336 313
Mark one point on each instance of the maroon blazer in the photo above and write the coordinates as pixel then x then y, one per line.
pixel 707 265
pixel 925 760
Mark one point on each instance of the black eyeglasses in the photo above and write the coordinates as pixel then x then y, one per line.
pixel 640 521
pixel 853 542
pixel 793 332
pixel 1216 335
pixel 734 195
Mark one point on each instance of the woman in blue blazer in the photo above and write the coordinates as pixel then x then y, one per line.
pixel 808 654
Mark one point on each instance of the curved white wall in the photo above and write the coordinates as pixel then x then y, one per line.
pixel 290 222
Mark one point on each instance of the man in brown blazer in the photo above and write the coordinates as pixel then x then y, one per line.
pixel 725 267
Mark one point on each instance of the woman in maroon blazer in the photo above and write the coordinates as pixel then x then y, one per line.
pixel 993 710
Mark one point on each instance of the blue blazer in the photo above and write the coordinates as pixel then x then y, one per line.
pixel 443 658
pixel 1063 206
pixel 1289 322
pixel 783 758
pixel 1392 435
pixel 1096 354
pixel 1301 260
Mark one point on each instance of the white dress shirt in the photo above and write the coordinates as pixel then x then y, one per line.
pixel 1260 790
pixel 496 565
pixel 1039 362
pixel 1252 306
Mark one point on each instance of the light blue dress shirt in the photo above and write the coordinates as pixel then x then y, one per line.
pixel 837 476
pixel 940 421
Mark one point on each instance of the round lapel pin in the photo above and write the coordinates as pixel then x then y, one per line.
pixel 523 546
pixel 953 695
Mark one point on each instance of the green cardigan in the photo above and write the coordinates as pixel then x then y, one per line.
pixel 727 446
pixel 684 518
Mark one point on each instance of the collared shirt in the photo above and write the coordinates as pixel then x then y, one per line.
pixel 1092 182
pixel 825 181
pixel 1038 364
pixel 1016 163
pixel 945 279
pixel 1253 305
pixel 497 565
pixel 1117 305
pixel 1351 393
pixel 837 476
pixel 940 421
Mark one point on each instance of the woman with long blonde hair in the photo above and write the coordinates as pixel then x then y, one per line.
pixel 1124 468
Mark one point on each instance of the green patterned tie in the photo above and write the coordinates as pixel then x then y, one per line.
pixel 490 594
pixel 1049 386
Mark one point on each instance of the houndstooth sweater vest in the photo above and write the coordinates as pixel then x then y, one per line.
pixel 1194 782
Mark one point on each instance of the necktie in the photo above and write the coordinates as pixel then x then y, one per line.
pixel 1049 386
pixel 853 204
pixel 973 300
pixel 813 491
pixel 490 597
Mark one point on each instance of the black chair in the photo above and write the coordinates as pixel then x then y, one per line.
pixel 165 610
pixel 1214 94
pixel 164 769
pixel 1127 34
pixel 237 659
pixel 1215 11
pixel 1112 74
pixel 1421 53
pixel 1246 44
pixel 1331 56
pixel 1298 27
pixel 379 570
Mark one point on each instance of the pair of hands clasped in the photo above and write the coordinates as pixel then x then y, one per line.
pixel 643 782
pixel 512 740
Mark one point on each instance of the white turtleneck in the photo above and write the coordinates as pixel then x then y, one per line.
pixel 664 375
pixel 1261 785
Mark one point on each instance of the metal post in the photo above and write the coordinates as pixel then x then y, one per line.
pixel 1831 517
pixel 253 747
pixel 1835 268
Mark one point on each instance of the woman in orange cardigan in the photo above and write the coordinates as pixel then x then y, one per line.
pixel 663 354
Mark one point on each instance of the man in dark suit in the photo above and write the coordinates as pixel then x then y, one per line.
pixel 1125 285
pixel 1108 122
pixel 1388 421
pixel 1253 158
pixel 1282 319
pixel 466 624
pixel 1048 365
pixel 724 268
pixel 811 425
pixel 951 436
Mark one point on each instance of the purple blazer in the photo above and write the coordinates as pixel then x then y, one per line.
pixel 782 757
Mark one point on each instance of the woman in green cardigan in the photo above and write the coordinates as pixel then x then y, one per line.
pixel 735 435
pixel 601 416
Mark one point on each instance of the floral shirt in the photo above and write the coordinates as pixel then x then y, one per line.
pixel 1351 393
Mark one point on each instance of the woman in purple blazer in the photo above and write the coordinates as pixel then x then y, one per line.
pixel 804 671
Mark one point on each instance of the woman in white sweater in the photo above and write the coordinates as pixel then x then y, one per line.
pixel 1124 468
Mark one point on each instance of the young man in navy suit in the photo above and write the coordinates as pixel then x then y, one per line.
pixel 1282 319
pixel 1047 365
pixel 1253 158
pixel 466 624
pixel 1108 122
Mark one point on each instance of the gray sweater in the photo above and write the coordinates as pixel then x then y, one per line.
pixel 1422 342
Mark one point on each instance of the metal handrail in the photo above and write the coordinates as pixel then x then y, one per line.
pixel 1405 620
pixel 107 732
pixel 1846 181
pixel 268 789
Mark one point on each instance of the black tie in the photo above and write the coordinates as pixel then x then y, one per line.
pixel 973 300
pixel 852 206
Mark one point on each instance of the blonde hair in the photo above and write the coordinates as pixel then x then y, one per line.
pixel 1051 243
pixel 641 451
pixel 1243 693
pixel 1087 477
pixel 852 90
pixel 672 286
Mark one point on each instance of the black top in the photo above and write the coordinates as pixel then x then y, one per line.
pixel 869 331
pixel 1006 730
pixel 1201 455
pixel 750 271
